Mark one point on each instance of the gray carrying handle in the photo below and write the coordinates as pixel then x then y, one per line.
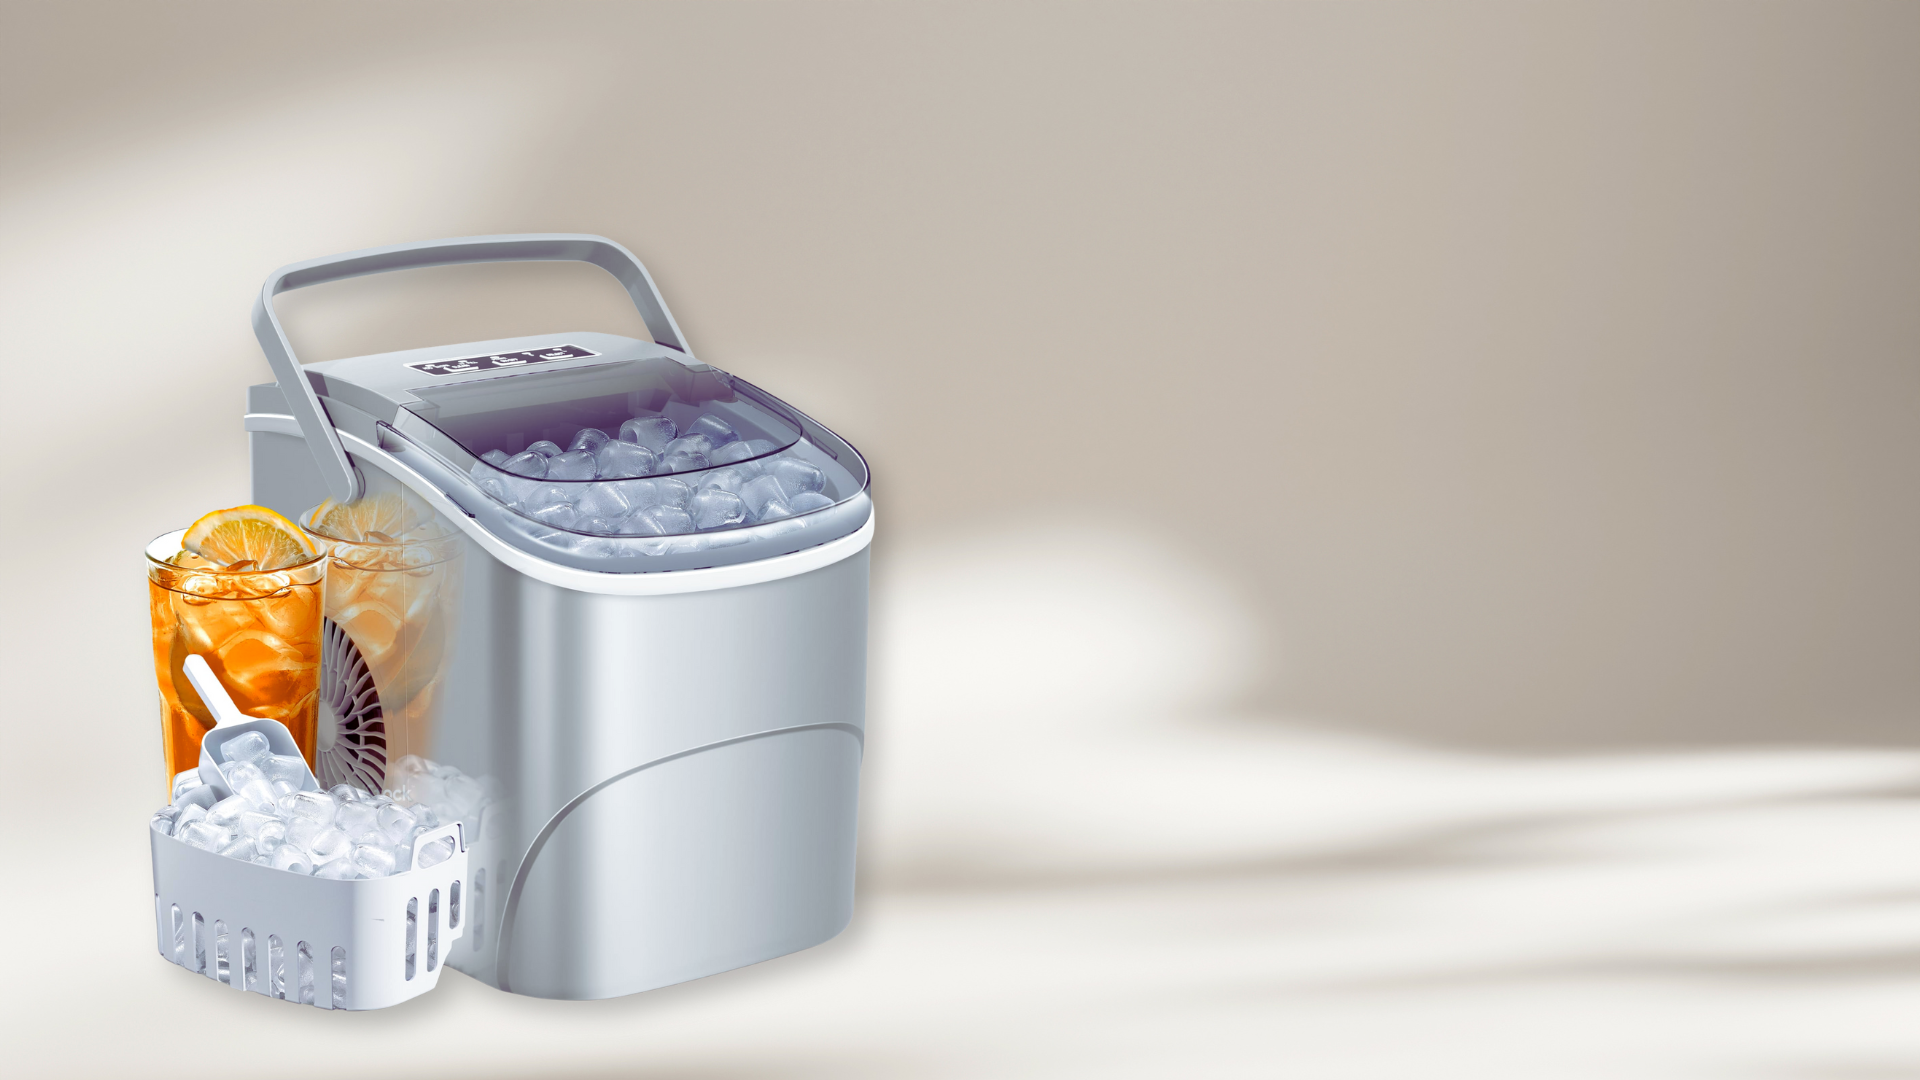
pixel 342 481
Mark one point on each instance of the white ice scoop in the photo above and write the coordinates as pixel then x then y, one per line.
pixel 229 724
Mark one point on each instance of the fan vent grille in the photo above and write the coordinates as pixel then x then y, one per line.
pixel 350 703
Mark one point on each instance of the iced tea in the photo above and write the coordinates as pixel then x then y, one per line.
pixel 258 629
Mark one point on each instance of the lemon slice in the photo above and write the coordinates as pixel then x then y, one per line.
pixel 249 534
pixel 387 514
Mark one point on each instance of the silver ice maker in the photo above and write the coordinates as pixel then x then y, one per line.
pixel 654 654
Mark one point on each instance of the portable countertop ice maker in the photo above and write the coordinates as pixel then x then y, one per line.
pixel 674 723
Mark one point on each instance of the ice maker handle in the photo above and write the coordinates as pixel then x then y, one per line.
pixel 322 441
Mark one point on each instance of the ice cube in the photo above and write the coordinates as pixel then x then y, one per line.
pixel 495 457
pixel 572 465
pixel 406 768
pixel 664 520
pixel 545 448
pixel 638 523
pixel 307 806
pixel 796 475
pixel 260 793
pixel 762 446
pixel 671 491
pixel 529 463
pixel 652 432
pixel 558 513
pixel 241 848
pixel 435 853
pixel 426 788
pixel 690 444
pixel 680 461
pixel 205 835
pixel 304 994
pixel 774 510
pixel 638 493
pixel 188 815
pixel 760 491
pixel 186 781
pixel 373 860
pixel 249 747
pixel 609 501
pixel 732 478
pixel 285 768
pixel 271 835
pixel 341 869
pixel 718 431
pixel 424 814
pixel 716 509
pixel 490 481
pixel 360 820
pixel 292 857
pixel 396 823
pixel 163 819
pixel 227 811
pixel 589 439
pixel 248 783
pixel 301 831
pixel 329 844
pixel 644 494
pixel 251 822
pixel 547 494
pixel 465 794
pixel 808 501
pixel 620 458
pixel 342 794
pixel 731 452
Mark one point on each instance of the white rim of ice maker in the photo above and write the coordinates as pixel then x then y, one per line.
pixel 662 583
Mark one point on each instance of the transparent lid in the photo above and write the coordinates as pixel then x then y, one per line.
pixel 511 414
pixel 647 464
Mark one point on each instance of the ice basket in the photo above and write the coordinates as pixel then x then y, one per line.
pixel 363 944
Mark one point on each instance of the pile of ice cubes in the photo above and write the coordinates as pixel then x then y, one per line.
pixel 343 834
pixel 636 496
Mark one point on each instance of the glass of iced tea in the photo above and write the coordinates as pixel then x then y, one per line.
pixel 258 623
pixel 393 583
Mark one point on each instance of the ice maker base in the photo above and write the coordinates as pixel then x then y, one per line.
pixel 694 865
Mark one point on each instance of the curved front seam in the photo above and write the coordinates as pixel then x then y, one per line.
pixel 505 944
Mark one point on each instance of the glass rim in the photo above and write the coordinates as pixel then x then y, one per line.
pixel 176 535
pixel 332 539
pixel 445 535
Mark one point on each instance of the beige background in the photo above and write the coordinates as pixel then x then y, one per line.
pixel 1398 521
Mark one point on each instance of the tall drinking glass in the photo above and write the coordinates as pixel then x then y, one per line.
pixel 259 631
pixel 391 602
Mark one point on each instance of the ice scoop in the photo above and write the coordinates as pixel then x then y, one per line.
pixel 230 723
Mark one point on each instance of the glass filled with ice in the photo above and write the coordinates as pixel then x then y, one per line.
pixel 242 588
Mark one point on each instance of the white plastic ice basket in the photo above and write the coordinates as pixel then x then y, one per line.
pixel 361 944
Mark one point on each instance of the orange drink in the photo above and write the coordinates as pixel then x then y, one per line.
pixel 393 583
pixel 256 620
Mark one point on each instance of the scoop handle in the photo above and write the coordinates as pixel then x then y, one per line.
pixel 331 457
pixel 212 694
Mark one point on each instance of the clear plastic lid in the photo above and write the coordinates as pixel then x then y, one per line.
pixel 647 464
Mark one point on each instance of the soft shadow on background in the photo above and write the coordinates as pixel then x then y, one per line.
pixel 1397 521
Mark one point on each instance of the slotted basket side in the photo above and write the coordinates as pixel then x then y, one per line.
pixel 332 944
